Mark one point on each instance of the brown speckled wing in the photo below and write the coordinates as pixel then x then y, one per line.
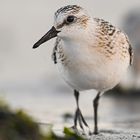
pixel 109 38
pixel 106 34
pixel 105 27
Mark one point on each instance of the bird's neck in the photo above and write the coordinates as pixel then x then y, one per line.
pixel 75 50
pixel 80 45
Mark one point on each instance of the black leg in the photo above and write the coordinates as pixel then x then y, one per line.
pixel 78 115
pixel 76 94
pixel 95 105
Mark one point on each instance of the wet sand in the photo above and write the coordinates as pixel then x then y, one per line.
pixel 117 135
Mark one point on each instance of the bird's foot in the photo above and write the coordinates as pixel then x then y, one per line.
pixel 96 132
pixel 75 129
pixel 78 131
pixel 82 123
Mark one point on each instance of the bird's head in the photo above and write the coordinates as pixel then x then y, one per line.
pixel 70 22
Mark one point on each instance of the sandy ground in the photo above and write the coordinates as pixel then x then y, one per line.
pixel 116 135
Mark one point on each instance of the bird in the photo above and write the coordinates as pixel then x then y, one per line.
pixel 90 53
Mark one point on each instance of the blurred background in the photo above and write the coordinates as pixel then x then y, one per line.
pixel 29 79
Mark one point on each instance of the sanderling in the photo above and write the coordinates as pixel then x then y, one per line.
pixel 90 54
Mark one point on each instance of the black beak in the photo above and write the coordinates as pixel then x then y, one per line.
pixel 50 34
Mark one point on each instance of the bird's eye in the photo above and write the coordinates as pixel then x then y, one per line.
pixel 70 19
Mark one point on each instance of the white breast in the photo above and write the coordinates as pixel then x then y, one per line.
pixel 85 68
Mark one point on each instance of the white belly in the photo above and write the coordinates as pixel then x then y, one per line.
pixel 85 70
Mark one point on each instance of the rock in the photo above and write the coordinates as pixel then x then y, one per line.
pixel 17 125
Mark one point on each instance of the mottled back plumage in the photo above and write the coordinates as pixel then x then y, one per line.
pixel 111 38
